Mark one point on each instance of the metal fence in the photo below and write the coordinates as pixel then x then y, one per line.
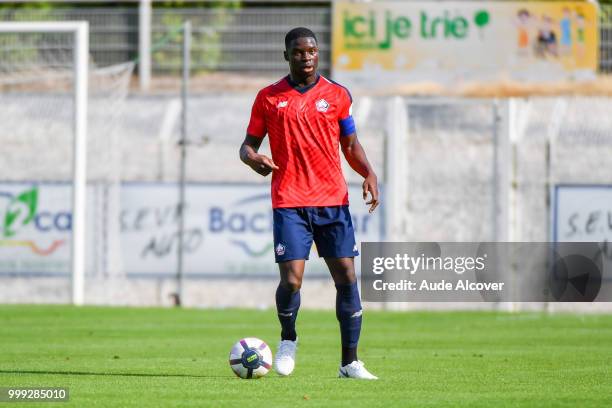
pixel 225 39
pixel 235 40
pixel 605 45
pixel 113 31
pixel 249 39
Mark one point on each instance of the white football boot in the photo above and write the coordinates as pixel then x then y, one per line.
pixel 356 370
pixel 284 361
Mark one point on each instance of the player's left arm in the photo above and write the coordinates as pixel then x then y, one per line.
pixel 353 151
pixel 357 159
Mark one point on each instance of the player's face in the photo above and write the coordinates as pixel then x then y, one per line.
pixel 303 57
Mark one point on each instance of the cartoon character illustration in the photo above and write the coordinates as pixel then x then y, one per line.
pixel 580 34
pixel 547 39
pixel 523 22
pixel 565 28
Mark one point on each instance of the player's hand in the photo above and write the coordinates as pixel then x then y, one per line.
pixel 263 165
pixel 370 185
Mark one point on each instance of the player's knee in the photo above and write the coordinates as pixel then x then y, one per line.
pixel 292 283
pixel 344 277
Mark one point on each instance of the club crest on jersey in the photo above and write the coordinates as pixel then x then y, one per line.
pixel 322 105
pixel 280 249
pixel 282 104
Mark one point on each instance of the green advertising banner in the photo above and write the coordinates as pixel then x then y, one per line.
pixel 386 42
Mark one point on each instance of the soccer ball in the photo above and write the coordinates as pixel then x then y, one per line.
pixel 250 358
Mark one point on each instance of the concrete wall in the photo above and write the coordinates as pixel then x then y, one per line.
pixel 450 180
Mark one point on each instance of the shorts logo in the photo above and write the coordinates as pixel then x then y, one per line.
pixel 282 104
pixel 322 105
pixel 280 249
pixel 355 248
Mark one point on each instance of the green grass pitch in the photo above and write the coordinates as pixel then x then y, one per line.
pixel 133 357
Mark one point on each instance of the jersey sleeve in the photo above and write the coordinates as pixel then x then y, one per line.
pixel 345 118
pixel 346 104
pixel 257 124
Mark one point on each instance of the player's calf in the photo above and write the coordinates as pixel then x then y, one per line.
pixel 348 312
pixel 287 306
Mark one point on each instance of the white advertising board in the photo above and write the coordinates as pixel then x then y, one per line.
pixel 582 213
pixel 228 229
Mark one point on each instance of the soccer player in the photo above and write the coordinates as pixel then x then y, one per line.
pixel 307 118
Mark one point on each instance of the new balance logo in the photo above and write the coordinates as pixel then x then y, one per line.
pixel 282 104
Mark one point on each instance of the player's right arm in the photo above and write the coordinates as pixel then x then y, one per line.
pixel 260 163
pixel 256 131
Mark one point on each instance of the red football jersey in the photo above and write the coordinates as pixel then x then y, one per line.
pixel 304 130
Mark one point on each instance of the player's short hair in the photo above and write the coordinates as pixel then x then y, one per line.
pixel 298 32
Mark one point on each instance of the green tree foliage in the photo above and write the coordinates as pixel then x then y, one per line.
pixel 206 33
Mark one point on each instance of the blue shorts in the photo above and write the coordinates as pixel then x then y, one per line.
pixel 331 228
